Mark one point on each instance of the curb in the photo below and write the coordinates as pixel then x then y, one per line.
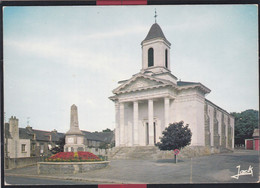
pixel 78 179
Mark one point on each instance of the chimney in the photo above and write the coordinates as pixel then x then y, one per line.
pixel 29 128
pixel 54 131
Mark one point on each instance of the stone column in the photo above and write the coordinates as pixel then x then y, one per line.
pixel 166 112
pixel 150 121
pixel 117 133
pixel 135 123
pixel 122 124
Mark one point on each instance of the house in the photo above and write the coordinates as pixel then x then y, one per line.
pixel 29 142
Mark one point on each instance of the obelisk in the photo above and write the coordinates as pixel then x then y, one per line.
pixel 74 140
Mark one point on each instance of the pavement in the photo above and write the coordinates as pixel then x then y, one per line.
pixel 207 169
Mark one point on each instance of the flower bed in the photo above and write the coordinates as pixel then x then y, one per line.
pixel 81 156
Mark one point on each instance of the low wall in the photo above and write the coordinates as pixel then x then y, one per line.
pixel 69 167
pixel 11 163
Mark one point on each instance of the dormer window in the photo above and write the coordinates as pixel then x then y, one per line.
pixel 150 57
pixel 166 58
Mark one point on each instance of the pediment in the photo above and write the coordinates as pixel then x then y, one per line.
pixel 140 82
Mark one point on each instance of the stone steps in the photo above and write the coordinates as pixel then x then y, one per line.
pixel 152 152
pixel 139 152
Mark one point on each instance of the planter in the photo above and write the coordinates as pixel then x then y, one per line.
pixel 69 167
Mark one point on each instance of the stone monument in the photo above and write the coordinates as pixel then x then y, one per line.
pixel 74 138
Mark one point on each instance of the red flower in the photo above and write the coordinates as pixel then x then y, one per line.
pixel 82 155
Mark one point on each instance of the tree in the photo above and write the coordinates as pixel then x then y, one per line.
pixel 60 146
pixel 175 136
pixel 107 130
pixel 245 123
pixel 103 145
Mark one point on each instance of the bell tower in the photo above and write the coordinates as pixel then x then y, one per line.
pixel 156 51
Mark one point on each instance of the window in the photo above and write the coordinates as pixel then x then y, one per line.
pixel 23 147
pixel 166 58
pixel 41 148
pixel 150 57
pixel 33 146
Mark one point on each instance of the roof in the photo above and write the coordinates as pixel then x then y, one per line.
pixel 155 32
pixel 181 83
pixel 41 135
pixel 91 136
pixel 106 137
pixel 24 134
pixel 221 109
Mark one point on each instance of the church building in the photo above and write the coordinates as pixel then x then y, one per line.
pixel 150 100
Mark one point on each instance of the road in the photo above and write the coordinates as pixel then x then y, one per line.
pixel 207 169
pixel 14 180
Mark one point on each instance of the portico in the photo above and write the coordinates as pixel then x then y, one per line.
pixel 140 122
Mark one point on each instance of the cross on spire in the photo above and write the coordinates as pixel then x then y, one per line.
pixel 155 15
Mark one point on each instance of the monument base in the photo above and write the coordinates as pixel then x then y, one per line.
pixel 69 167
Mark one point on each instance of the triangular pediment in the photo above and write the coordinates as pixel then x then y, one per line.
pixel 140 82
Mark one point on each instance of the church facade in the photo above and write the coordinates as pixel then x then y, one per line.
pixel 150 100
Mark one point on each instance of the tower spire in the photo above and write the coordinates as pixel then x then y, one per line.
pixel 155 15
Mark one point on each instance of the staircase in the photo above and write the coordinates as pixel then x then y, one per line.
pixel 225 150
pixel 138 152
pixel 152 152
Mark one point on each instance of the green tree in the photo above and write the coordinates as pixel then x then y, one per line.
pixel 107 130
pixel 60 146
pixel 175 136
pixel 103 146
pixel 245 123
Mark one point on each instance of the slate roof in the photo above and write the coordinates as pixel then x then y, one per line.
pixel 155 32
pixel 91 136
pixel 28 133
pixel 25 134
pixel 106 137
pixel 181 83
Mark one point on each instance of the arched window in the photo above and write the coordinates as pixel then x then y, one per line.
pixel 150 57
pixel 166 58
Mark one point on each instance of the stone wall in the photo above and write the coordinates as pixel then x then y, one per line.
pixel 219 125
pixel 69 167
pixel 11 163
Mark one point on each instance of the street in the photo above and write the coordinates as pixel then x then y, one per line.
pixel 14 180
pixel 207 169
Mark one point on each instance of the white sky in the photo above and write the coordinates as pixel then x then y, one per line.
pixel 58 56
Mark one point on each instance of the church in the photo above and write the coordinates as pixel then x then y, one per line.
pixel 153 98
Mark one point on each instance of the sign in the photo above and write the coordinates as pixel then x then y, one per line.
pixel 176 151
